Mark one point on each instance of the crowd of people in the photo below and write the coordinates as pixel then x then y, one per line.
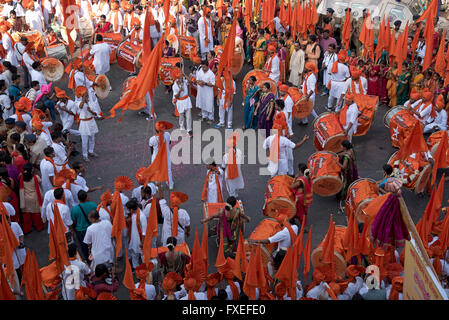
pixel 295 48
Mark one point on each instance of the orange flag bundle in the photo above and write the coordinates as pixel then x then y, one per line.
pixel 128 280
pixel 307 250
pixel 284 272
pixel 328 244
pixel 430 13
pixel 364 243
pixel 363 37
pixel 58 247
pixel 402 48
pixel 221 260
pixel 440 63
pixel 5 290
pixel 248 12
pixel 283 14
pixel 313 17
pixel 146 81
pixel 118 223
pixel 431 214
pixel 150 233
pixel 414 143
pixel 8 243
pixel 197 259
pixel 443 237
pixel 255 275
pixel 294 20
pixel 351 238
pixel 440 156
pixel 380 40
pixel 31 278
pixel 346 32
pixel 240 262
pixel 429 31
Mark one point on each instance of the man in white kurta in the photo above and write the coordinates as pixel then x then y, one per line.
pixel 82 80
pixel 206 43
pixel 355 84
pixel 61 154
pixel 222 112
pixel 101 52
pixel 98 237
pixel 296 67
pixel 84 271
pixel 352 113
pixel 337 81
pixel 423 111
pixel 7 44
pixel 67 109
pixel 309 82
pixel 328 61
pixel 35 19
pixel 183 223
pixel 49 197
pixel 115 18
pixel 154 143
pixel 288 106
pixel 63 210
pixel 182 102
pixel 88 127
pixel 205 80
pixel 214 172
pixel 5 103
pixel 47 170
pixel 135 243
pixel 440 121
pixel 273 64
pixel 233 185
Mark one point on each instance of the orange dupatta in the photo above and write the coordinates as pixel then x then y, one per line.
pixel 205 187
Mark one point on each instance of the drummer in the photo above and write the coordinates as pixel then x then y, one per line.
pixel 136 34
pixel 348 116
pixel 272 66
pixel 424 112
pixel 288 106
pixel 440 121
pixel 356 84
pixel 339 75
pixel 101 52
pixel 414 100
pixel 81 80
pixel 309 87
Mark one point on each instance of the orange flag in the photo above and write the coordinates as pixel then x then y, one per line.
pixel 31 278
pixel 294 20
pixel 118 223
pixel 284 272
pixel 158 169
pixel 429 31
pixel 248 12
pixel 8 243
pixel 307 249
pixel 328 244
pixel 289 14
pixel 443 237
pixel 146 41
pixel 240 263
pixel 151 232
pixel 5 290
pixel 351 238
pixel 69 19
pixel 415 41
pixel 392 47
pixel 128 280
pixel 299 248
pixel 363 37
pixel 197 258
pixel 283 14
pixel 440 156
pixel 414 143
pixel 440 63
pixel 221 260
pixel 430 13
pixel 364 243
pixel 255 275
pixel 397 53
pixel 58 247
pixel 380 40
pixel 146 81
pixel 346 32
pixel 402 48
pixel 370 40
pixel 387 40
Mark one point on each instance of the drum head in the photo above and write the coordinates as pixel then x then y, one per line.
pixel 258 73
pixel 265 253
pixel 339 261
pixel 52 68
pixel 319 117
pixel 102 87
pixel 423 178
pixel 278 203
pixel 326 186
pixel 334 143
pixel 139 62
pixel 303 108
pixel 390 114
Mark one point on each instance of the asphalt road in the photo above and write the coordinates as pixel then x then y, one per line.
pixel 123 148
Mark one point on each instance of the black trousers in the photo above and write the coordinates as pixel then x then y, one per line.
pixel 84 247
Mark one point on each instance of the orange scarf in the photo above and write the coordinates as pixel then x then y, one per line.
pixel 115 13
pixel 205 187
pixel 206 41
pixel 353 86
pixel 269 62
pixel 233 171
pixel 107 210
pixel 125 19
pixel 72 83
pixel 135 35
pixel 305 83
pixel 274 148
pixel 342 116
pixel 174 225
pixel 101 5
pixel 19 115
pixel 52 162
pixel 139 227
pixel 89 7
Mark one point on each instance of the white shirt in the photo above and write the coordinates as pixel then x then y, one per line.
pixel 34 19
pixel 65 215
pixel 351 117
pixel 60 158
pixel 183 220
pixel 28 61
pixel 424 112
pixel 205 95
pixel 9 209
pixel 181 105
pixel 154 142
pixel 111 19
pixel 134 242
pixel 18 255
pixel 348 85
pixel 281 167
pixel 49 197
pixel 275 70
pixel 283 237
pixel 440 120
pixel 38 76
pixel 5 104
pixel 47 172
pixel 98 234
pixel 288 111
pixel 101 52
pixel 311 83
pixel 421 50
pixel 69 294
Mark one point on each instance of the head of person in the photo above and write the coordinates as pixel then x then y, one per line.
pixel 266 87
pixel 211 164
pixel 20 126
pixel 35 85
pixel 15 79
pixel 397 25
pixel 326 34
pixel 82 196
pixel 99 37
pixel 12 14
pixel 297 46
pixel 94 216
pixel 24 41
pixel 252 81
pixel 30 139
pixel 388 169
pixel 329 12
pixel 312 38
pixel 56 136
pixel 102 19
pixel 211 55
pixel 15 138
pixel 302 168
pixel 331 48
pixel 79 168
pixel 132 205
pixel 72 250
pixel 171 243
pixel 279 104
pixel 58 193
pixel 147 192
pixel 101 271
pixel 365 12
pixel 230 203
pixel 204 66
pixel 346 145
pixel 27 171
pixel 49 152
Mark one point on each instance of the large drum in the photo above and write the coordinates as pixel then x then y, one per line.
pixel 265 229
pixel 302 107
pixel 127 85
pixel 57 51
pixel 129 56
pixel 433 141
pixel 339 252
pixel 262 78
pixel 414 172
pixel 52 68
pixel 86 29
pixel 325 173
pixel 328 133
pixel 279 194
pixel 113 39
pixel 360 193
pixel 367 107
pixel 188 46
pixel 401 123
pixel 168 65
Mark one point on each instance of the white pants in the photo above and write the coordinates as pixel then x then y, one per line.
pixel 148 105
pixel 231 190
pixel 135 258
pixel 222 112
pixel 197 38
pixel 184 117
pixel 207 115
pixel 87 141
pixel 332 102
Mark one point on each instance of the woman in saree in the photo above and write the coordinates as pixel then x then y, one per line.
pixel 259 50
pixel 417 80
pixel 391 89
pixel 7 193
pixel 230 223
pixel 172 260
pixel 251 39
pixel 265 109
pixel 383 96
pixel 403 84
pixel 348 167
pixel 302 187
pixel 251 99
pixel 282 54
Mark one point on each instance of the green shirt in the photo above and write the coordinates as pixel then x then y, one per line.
pixel 77 215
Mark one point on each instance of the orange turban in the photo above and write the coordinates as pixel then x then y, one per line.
pixel 355 72
pixel 206 10
pixel 123 183
pixel 280 290
pixel 271 48
pixel 60 93
pixel 23 105
pixel 415 96
pixel 135 21
pixel 353 271
pixel 177 198
pixel 106 197
pixel 142 271
pixel 342 56
pixel 163 125
pixel 3 28
pixel 80 91
pixel 440 101
pixel 427 95
pixel 284 87
pixel 312 67
pixel 172 38
pixel 170 281
pixel 172 19
pixel 58 181
pixel 36 123
pixel 176 73
pixel 349 96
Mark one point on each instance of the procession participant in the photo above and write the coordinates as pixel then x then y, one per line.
pixel 440 121
pixel 137 226
pixel 155 27
pixel 328 61
pixel 221 102
pixel 35 148
pixel 259 50
pixel 296 66
pixel 5 102
pixel 104 208
pixel 413 101
pixel 313 50
pixel 348 116
pixel 32 93
pixel 182 102
pixel 205 80
pixel 136 34
pixel 68 110
pixel 423 112
pixel 115 17
pixel 19 50
pixel 139 190
pixel 87 127
pixel 265 109
pixel 172 263
pixel 231 165
pixel 80 172
pixel 302 187
pixel 192 18
pixel 282 119
pixel 278 146
pixel 155 143
pixel 8 44
pixel 33 16
pixel 213 184
pixel 309 87
pixel 64 210
pixel 29 56
pixel 61 158
pixel 83 269
pixel 31 198
pixel 176 220
pixel 205 33
pixel 128 14
pixel 272 66
pixel 288 107
pixel 15 92
pixel 22 107
pixel 339 73
pixel 103 26
pixel 349 170
pixel 101 52
pixel 356 84
pixel 251 99
pixel 98 238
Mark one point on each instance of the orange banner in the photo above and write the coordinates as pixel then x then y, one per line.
pixel 188 46
pixel 367 106
pixel 166 69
